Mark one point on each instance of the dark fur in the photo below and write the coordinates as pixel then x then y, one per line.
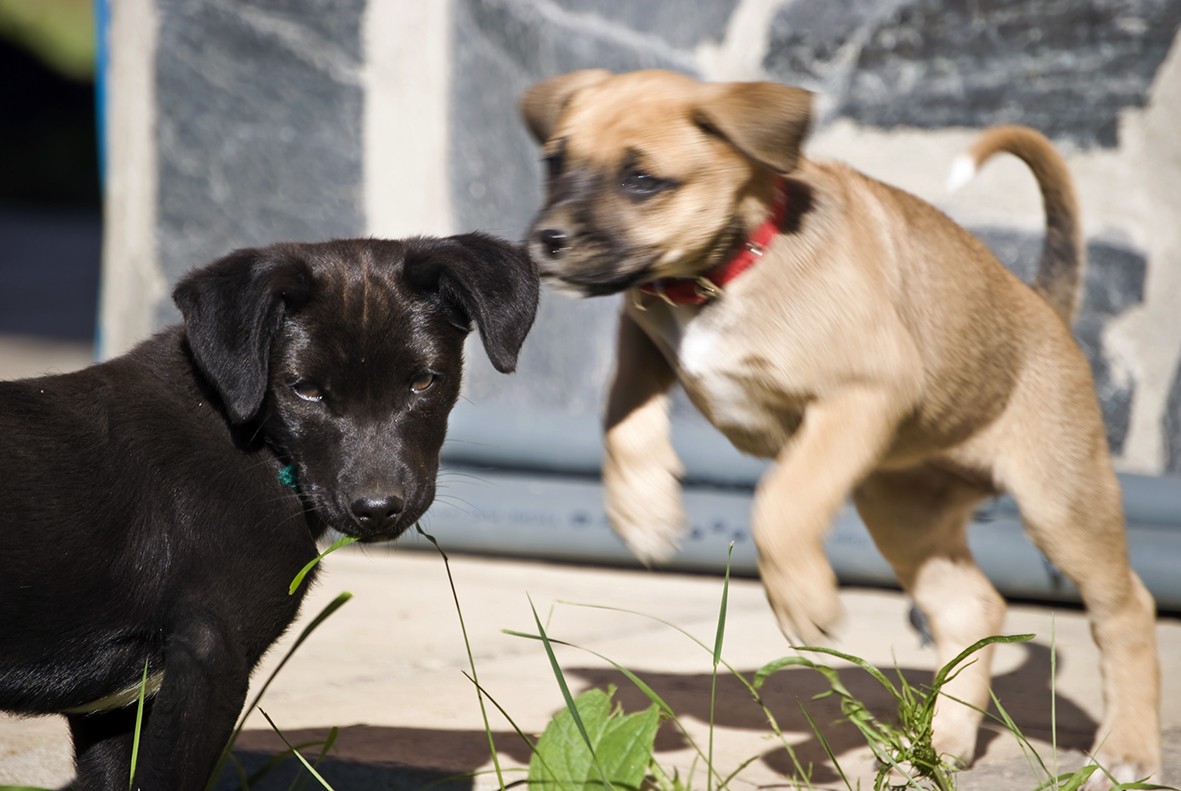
pixel 144 516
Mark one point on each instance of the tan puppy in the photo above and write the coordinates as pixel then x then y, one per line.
pixel 874 349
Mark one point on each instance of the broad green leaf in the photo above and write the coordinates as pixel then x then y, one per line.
pixel 622 743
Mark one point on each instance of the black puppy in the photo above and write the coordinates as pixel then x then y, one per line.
pixel 158 505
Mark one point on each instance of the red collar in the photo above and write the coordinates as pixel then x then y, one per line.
pixel 708 286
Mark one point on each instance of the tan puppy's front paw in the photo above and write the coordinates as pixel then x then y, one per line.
pixel 1127 749
pixel 644 508
pixel 954 732
pixel 1116 770
pixel 804 599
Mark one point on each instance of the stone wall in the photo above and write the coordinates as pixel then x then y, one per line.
pixel 238 122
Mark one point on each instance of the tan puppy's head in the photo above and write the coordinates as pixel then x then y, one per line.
pixel 653 174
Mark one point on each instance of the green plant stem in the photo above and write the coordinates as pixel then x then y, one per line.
pixel 471 659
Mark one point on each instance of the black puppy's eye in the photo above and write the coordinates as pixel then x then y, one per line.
pixel 423 381
pixel 308 390
pixel 638 184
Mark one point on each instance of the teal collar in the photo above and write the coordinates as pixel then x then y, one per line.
pixel 289 478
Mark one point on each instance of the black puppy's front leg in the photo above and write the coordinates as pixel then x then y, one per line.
pixel 102 748
pixel 205 682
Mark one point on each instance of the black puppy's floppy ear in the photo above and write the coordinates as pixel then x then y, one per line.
pixel 481 279
pixel 232 309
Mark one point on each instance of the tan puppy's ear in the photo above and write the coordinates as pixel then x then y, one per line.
pixel 764 120
pixel 543 104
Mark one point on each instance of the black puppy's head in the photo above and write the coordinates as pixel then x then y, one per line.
pixel 348 355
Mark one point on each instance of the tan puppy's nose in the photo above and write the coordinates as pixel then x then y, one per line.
pixel 554 241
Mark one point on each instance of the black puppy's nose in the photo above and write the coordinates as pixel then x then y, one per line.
pixel 555 242
pixel 374 513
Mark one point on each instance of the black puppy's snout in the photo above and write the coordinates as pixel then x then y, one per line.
pixel 554 241
pixel 378 513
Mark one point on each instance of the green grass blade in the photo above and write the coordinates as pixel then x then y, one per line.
pixel 632 677
pixel 775 665
pixel 877 675
pixel 941 677
pixel 343 541
pixel 334 605
pixel 1031 755
pixel 324 614
pixel 826 747
pixel 719 637
pixel 529 742
pixel 1053 695
pixel 561 682
pixel 296 752
pixel 471 658
pixel 139 722
pixel 245 783
pixel 721 633
pixel 725 782
pixel 300 782
pixel 680 630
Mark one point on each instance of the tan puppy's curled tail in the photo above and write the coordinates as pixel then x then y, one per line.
pixel 1060 276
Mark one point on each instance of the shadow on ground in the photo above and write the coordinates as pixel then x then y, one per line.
pixel 370 757
pixel 413 758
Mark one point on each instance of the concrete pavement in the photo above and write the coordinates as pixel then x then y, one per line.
pixel 387 669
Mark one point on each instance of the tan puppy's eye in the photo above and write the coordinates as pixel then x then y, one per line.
pixel 555 159
pixel 308 390
pixel 553 165
pixel 638 184
pixel 423 382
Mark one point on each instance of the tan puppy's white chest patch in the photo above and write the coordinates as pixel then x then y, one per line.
pixel 695 341
pixel 720 384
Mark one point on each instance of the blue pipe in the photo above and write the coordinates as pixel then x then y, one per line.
pixel 526 485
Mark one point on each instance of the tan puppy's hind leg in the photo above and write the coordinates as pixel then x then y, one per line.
pixel 918 520
pixel 1071 504
pixel 641 472
pixel 838 443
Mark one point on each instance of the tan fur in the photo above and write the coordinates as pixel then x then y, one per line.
pixel 877 350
